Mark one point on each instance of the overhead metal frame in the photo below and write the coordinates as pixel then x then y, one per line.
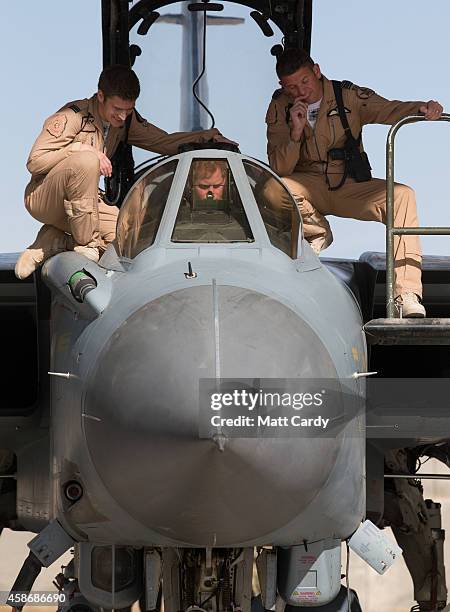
pixel 119 17
pixel 115 32
pixel 292 17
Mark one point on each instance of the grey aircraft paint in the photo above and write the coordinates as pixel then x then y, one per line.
pixel 126 420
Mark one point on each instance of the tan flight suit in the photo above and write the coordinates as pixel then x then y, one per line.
pixel 63 190
pixel 303 166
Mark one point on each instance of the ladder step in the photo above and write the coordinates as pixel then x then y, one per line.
pixel 408 331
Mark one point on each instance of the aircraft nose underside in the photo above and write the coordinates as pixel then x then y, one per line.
pixel 143 393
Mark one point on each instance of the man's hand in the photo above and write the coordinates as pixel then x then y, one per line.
pixel 220 138
pixel 105 162
pixel 298 113
pixel 432 110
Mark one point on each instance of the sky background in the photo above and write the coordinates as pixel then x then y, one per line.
pixel 52 54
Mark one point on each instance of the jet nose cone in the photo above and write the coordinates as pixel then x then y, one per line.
pixel 144 390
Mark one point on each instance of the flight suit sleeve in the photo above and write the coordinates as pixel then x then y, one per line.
pixel 147 136
pixel 376 109
pixel 283 153
pixel 55 142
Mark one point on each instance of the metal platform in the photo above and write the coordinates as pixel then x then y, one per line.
pixel 408 331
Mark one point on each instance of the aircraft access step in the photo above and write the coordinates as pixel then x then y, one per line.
pixel 433 330
pixel 366 278
pixel 394 331
pixel 413 331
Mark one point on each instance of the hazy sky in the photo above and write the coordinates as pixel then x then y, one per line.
pixel 52 54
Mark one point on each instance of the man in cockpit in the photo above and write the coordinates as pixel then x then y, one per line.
pixel 74 148
pixel 209 179
pixel 308 146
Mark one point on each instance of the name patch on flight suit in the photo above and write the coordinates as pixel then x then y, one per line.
pixel 88 129
pixel 87 124
pixel 55 126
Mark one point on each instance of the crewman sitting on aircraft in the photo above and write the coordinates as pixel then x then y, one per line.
pixel 72 151
pixel 308 145
pixel 209 179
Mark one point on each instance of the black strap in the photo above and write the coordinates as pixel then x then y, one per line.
pixel 118 185
pixel 337 88
pixel 355 142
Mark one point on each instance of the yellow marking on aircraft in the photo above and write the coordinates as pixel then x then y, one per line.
pixel 62 343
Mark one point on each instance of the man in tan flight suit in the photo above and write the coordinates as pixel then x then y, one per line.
pixel 303 124
pixel 72 151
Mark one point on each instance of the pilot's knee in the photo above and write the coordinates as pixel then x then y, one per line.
pixel 107 232
pixel 403 195
pixel 272 192
pixel 301 196
pixel 277 197
pixel 293 186
pixel 86 162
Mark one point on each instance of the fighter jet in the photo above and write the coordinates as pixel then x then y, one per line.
pixel 118 436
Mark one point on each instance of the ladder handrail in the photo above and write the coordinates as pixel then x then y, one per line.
pixel 391 231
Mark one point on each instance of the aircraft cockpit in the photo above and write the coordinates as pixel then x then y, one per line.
pixel 211 209
pixel 208 197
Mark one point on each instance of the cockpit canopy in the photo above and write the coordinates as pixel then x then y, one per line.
pixel 208 197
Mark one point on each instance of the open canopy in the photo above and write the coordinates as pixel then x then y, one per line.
pixel 292 17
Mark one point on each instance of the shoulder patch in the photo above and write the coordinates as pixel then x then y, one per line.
pixel 56 124
pixel 75 108
pixel 363 92
pixel 346 84
pixel 271 115
pixel 277 93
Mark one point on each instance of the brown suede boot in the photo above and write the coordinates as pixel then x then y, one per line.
pixel 49 242
pixel 91 252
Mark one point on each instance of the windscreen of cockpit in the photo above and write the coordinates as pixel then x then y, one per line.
pixel 278 209
pixel 211 209
pixel 141 214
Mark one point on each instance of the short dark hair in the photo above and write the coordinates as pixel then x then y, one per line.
pixel 118 80
pixel 207 167
pixel 292 60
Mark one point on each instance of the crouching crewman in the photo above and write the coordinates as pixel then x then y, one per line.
pixel 72 151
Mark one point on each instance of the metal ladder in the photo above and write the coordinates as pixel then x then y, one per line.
pixel 392 231
pixel 392 330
